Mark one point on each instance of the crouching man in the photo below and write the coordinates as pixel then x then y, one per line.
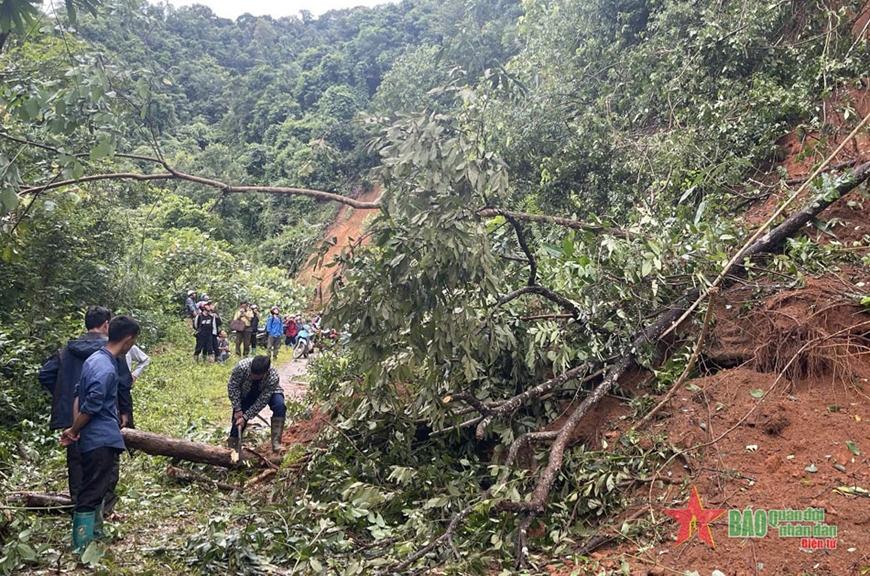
pixel 96 430
pixel 253 384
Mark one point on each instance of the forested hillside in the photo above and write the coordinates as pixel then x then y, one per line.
pixel 618 249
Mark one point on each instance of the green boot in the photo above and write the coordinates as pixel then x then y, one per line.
pixel 277 433
pixel 98 523
pixel 83 530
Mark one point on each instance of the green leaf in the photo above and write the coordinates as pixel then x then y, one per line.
pixel 26 552
pixel 101 150
pixel 93 554
pixel 851 446
pixel 142 88
pixel 646 268
pixel 77 170
pixel 756 393
pixel 8 199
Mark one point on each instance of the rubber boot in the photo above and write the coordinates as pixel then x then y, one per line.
pixel 233 443
pixel 83 531
pixel 277 433
pixel 98 522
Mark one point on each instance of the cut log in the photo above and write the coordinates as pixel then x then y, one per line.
pixel 184 475
pixel 160 445
pixel 53 502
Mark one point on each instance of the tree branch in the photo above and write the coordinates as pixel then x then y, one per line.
pixel 502 407
pixel 546 317
pixel 558 220
pixel 223 187
pixel 540 291
pixel 521 238
pixel 557 451
pixel 94 178
pixel 447 535
pixel 528 438
pixel 173 174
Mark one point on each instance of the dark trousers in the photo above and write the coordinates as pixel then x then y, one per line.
pixel 73 471
pixel 204 344
pixel 276 403
pixel 100 470
pixel 243 341
pixel 74 478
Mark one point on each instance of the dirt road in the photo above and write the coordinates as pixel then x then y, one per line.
pixel 291 372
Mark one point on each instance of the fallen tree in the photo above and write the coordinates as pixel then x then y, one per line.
pixel 561 438
pixel 453 225
pixel 161 445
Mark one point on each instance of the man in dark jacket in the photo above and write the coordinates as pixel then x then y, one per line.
pixel 254 384
pixel 60 375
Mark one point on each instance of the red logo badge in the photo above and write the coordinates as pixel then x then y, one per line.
pixel 695 517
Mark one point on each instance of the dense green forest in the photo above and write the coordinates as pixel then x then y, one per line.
pixel 560 180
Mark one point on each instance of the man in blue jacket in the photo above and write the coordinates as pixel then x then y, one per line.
pixel 96 430
pixel 275 331
pixel 60 375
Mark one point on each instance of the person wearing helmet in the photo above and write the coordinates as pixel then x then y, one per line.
pixel 274 332
pixel 190 307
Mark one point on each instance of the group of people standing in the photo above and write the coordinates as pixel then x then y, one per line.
pixel 212 341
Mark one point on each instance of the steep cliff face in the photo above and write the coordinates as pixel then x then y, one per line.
pixel 346 230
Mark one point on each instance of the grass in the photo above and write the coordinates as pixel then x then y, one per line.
pixel 179 397
pixel 174 396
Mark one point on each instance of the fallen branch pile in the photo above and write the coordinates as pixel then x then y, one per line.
pixel 676 314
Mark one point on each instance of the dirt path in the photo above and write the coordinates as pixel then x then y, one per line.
pixel 292 374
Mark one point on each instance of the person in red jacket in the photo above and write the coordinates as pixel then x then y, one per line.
pixel 290 331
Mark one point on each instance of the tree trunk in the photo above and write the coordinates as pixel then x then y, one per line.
pixel 160 445
pixel 50 502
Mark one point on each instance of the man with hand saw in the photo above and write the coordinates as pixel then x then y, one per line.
pixel 254 384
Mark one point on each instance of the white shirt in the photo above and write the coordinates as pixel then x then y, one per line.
pixel 140 358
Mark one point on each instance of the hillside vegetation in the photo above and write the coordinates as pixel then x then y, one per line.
pixel 565 231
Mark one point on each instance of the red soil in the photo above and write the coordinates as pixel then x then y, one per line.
pixel 345 231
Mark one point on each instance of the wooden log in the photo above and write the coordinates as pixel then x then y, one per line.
pixel 185 475
pixel 47 501
pixel 265 475
pixel 161 445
